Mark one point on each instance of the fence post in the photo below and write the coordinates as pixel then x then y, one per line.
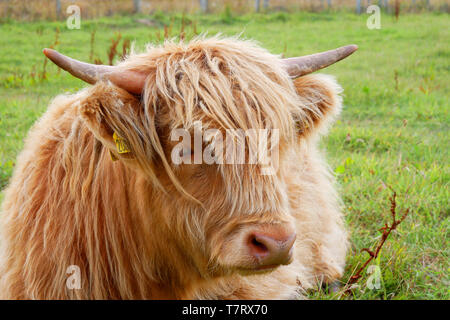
pixel 358 6
pixel 257 5
pixel 204 5
pixel 384 4
pixel 58 9
pixel 322 3
pixel 137 6
pixel 266 5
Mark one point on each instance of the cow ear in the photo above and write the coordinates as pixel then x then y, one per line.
pixel 320 103
pixel 111 114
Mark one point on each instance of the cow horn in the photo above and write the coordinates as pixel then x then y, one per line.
pixel 91 73
pixel 300 66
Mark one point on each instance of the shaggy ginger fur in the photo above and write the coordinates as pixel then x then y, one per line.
pixel 144 228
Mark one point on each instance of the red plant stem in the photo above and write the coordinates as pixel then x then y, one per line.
pixel 386 231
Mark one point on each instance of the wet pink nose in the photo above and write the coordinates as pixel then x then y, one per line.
pixel 271 249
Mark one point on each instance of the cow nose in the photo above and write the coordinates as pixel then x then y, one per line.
pixel 271 249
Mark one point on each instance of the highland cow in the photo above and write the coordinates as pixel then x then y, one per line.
pixel 138 226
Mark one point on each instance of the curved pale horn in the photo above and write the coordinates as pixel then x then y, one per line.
pixel 91 73
pixel 300 66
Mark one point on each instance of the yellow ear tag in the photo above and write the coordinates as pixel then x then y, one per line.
pixel 121 144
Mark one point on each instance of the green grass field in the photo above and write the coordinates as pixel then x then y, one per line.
pixel 394 130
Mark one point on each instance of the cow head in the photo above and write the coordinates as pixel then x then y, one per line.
pixel 224 215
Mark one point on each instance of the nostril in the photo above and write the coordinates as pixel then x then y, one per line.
pixel 257 247
pixel 269 249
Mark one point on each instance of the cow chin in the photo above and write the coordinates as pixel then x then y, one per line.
pixel 246 271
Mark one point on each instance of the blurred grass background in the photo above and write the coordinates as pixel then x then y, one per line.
pixel 394 130
pixel 31 10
